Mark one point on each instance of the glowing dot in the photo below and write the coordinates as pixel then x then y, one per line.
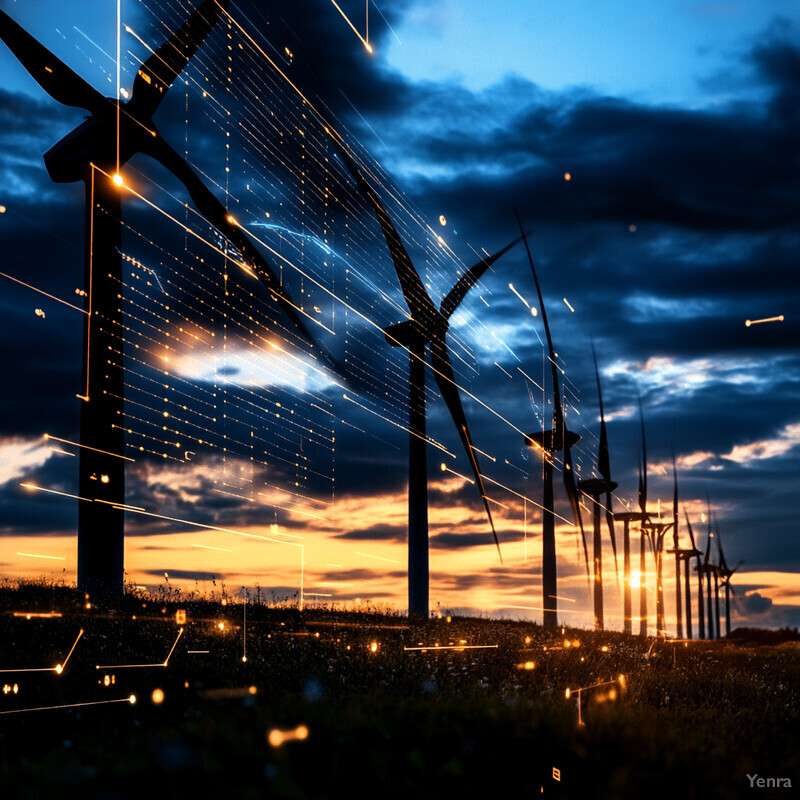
pixel 252 690
pixel 59 669
pixel 157 697
pixel 124 93
pixel 604 648
pixel 301 732
pixel 534 312
pixel 530 665
pixel 567 176
pixel 373 648
pixel 275 738
pixel 442 220
pixel 104 479
pixel 567 693
pixel 132 699
pixel 632 228
pixel 748 322
pixel 232 220
pixel 117 178
pixel 221 626
pixel 369 48
pixel 2 209
pixel 443 467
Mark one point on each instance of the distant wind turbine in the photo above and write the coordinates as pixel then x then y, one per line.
pixel 595 487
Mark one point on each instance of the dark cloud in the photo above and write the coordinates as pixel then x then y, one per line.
pixel 754 603
pixel 376 533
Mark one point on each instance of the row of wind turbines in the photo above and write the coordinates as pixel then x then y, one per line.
pixel 116 131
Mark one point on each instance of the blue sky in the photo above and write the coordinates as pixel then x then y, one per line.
pixel 678 126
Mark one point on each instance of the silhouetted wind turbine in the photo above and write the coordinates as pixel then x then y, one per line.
pixel 643 533
pixel 726 573
pixel 595 487
pixel 549 443
pixel 707 568
pixel 427 326
pixel 696 554
pixel 93 153
pixel 680 554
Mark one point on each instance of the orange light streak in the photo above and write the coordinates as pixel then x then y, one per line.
pixel 365 42
pixel 49 436
pixel 749 322
pixel 453 647
pixel 132 666
pixel 40 291
pixel 37 555
pixel 131 700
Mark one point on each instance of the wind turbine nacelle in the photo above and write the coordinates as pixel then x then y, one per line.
pixel 404 334
pixel 94 141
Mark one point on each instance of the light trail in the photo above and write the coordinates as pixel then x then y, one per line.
pixel 453 647
pixel 379 558
pixel 364 41
pixel 137 666
pixel 41 291
pixel 58 668
pixel 209 547
pixel 131 700
pixel 749 322
pixel 37 555
pixel 567 303
pixel 48 436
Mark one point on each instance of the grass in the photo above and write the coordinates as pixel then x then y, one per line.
pixel 692 721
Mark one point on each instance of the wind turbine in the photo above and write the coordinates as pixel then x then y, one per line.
pixel 549 443
pixel 427 326
pixel 626 517
pixel 726 573
pixel 681 554
pixel 594 487
pixel 94 152
pixel 708 568
pixel 695 554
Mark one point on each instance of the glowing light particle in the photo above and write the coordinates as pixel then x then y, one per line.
pixel 277 737
pixel 442 220
pixel 117 178
pixel 567 176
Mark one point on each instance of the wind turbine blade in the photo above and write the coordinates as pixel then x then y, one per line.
pixel 160 70
pixel 572 495
pixel 558 411
pixel 52 74
pixel 603 460
pixel 689 528
pixel 217 215
pixel 559 427
pixel 611 531
pixel 468 279
pixel 445 380
pixel 417 298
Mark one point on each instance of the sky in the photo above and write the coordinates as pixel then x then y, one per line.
pixel 652 152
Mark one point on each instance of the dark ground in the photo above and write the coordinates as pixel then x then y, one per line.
pixel 690 721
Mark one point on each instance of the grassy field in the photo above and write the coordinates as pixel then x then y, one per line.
pixel 481 711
